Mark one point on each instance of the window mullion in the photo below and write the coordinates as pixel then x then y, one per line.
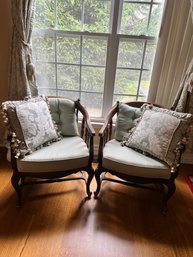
pixel 55 45
pixel 82 16
pixel 56 64
pixel 140 76
pixel 80 77
pixel 149 17
pixel 112 52
pixel 55 15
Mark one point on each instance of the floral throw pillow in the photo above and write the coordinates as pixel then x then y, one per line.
pixel 158 132
pixel 36 123
pixel 31 123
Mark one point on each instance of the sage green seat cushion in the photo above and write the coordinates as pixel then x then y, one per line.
pixel 128 161
pixel 68 153
pixel 126 119
pixel 63 113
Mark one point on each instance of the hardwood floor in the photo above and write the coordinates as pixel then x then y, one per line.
pixel 55 220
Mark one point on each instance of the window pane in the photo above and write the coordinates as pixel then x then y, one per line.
pixel 97 15
pixel 93 79
pixel 134 18
pixel 93 103
pixel 44 14
pixel 126 81
pixel 155 20
pixel 68 76
pixel 45 73
pixel 142 98
pixel 43 48
pixel 47 91
pixel 130 54
pixel 69 94
pixel 68 50
pixel 122 98
pixel 149 55
pixel 69 15
pixel 158 1
pixel 94 51
pixel 144 85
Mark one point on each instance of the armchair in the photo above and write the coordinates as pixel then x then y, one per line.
pixel 145 159
pixel 49 142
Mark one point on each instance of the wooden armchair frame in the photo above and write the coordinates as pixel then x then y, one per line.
pixel 164 186
pixel 87 133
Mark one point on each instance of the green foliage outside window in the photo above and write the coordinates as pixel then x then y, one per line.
pixel 76 63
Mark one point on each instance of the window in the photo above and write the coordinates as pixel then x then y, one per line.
pixel 99 51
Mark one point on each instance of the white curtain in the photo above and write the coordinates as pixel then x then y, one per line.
pixel 22 80
pixel 172 79
pixel 184 103
pixel 174 52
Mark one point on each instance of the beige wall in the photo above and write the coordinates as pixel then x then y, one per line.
pixel 5 36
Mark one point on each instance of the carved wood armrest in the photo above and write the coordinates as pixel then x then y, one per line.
pixel 105 132
pixel 87 130
pixel 107 126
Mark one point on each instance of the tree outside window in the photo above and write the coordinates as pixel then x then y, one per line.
pixel 99 51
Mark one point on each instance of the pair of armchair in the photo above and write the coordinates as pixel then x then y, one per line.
pixel 149 154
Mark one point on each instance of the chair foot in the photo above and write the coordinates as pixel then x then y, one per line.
pixel 164 210
pixel 88 196
pixel 96 195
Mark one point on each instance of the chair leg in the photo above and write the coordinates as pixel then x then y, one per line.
pixel 15 183
pixel 171 188
pixel 98 180
pixel 90 177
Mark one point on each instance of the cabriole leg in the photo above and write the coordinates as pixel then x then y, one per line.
pixel 171 188
pixel 98 180
pixel 15 183
pixel 90 177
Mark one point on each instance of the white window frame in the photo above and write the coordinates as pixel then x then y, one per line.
pixel 113 39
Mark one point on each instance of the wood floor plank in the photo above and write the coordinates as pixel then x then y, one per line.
pixel 56 220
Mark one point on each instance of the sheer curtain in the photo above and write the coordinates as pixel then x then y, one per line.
pixel 172 79
pixel 174 52
pixel 183 102
pixel 22 80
